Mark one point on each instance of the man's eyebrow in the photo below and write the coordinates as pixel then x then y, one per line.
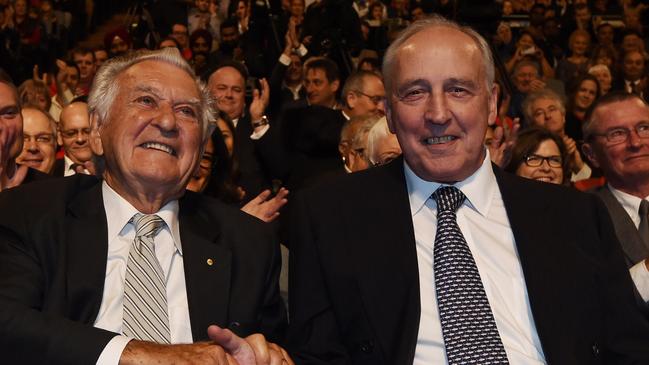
pixel 470 84
pixel 149 90
pixel 410 83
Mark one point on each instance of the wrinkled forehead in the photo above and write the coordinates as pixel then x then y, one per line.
pixel 623 113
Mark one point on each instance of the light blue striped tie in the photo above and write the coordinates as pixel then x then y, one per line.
pixel 145 296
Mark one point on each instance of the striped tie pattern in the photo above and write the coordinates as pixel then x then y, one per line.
pixel 145 295
pixel 468 325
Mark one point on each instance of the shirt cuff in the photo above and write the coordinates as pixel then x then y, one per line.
pixel 584 173
pixel 301 50
pixel 260 133
pixel 113 350
pixel 284 59
pixel 640 277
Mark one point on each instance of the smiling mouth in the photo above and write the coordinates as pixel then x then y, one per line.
pixel 543 178
pixel 438 140
pixel 159 147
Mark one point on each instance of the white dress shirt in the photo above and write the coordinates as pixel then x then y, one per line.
pixel 639 272
pixel 168 250
pixel 485 226
pixel 67 167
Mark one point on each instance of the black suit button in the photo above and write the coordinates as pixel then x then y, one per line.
pixel 367 347
pixel 595 350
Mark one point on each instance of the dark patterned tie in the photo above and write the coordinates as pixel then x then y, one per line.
pixel 145 296
pixel 643 228
pixel 468 326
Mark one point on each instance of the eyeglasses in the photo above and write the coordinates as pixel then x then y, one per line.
pixel 384 160
pixel 536 161
pixel 621 135
pixel 72 133
pixel 376 99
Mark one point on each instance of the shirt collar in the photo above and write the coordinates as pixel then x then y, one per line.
pixel 119 212
pixel 630 203
pixel 479 188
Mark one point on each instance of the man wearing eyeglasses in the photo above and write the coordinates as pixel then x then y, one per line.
pixel 39 140
pixel 74 129
pixel 616 132
pixel 362 94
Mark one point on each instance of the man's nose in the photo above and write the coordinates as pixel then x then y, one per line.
pixel 166 118
pixel 31 145
pixel 437 108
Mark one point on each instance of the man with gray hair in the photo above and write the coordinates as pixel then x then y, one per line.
pixel 439 257
pixel 132 268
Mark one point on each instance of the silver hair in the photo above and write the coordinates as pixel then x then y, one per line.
pixel 538 95
pixel 376 135
pixel 598 68
pixel 105 86
pixel 433 22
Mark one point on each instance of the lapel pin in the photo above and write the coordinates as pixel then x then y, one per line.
pixel 210 262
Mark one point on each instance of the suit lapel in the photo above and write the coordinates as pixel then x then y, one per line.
pixel 386 260
pixel 627 233
pixel 207 269
pixel 86 234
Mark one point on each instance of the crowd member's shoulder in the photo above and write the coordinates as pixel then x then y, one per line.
pixel 44 190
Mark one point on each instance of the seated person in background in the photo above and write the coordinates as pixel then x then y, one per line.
pixel 539 154
pixel 35 93
pixel 73 136
pixel 133 268
pixel 545 108
pixel 603 75
pixel 584 92
pixel 526 79
pixel 353 142
pixel 382 145
pixel 39 140
pixel 616 131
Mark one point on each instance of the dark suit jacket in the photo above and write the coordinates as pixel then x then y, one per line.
pixel 253 177
pixel 354 282
pixel 632 246
pixel 53 248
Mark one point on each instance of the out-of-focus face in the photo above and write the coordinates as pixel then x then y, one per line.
pixel 633 66
pixel 508 9
pixel 586 94
pixel 241 10
pixel 20 7
pixel 605 80
pixel 11 121
pixel 377 12
pixel 544 172
pixel 86 65
pixel 370 99
pixel 179 33
pixel 74 132
pixel 627 163
pixel 201 177
pixel 227 135
pixel 504 32
pixel 202 5
pixel 525 41
pixel 297 8
pixel 293 73
pixel 168 43
pixel 229 35
pixel 439 104
pixel 201 46
pixel 579 45
pixel 547 114
pixel 100 57
pixel 417 14
pixel 523 78
pixel 631 42
pixel 605 35
pixel 72 77
pixel 152 135
pixel 228 88
pixel 319 90
pixel 39 141
pixel 582 15
pixel 118 46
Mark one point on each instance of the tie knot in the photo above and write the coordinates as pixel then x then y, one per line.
pixel 147 225
pixel 644 208
pixel 448 198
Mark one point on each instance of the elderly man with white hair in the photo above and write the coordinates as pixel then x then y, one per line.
pixel 382 145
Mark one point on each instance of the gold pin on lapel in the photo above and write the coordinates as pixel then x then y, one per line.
pixel 210 262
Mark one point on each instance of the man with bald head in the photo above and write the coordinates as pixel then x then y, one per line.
pixel 73 135
pixel 439 257
pixel 39 140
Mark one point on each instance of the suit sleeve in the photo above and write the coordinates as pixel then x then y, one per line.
pixel 314 336
pixel 32 332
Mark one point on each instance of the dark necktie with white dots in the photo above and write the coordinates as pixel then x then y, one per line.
pixel 468 325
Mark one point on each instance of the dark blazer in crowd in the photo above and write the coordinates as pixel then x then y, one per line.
pixel 355 287
pixel 53 249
